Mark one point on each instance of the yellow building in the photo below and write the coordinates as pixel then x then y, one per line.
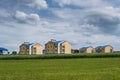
pixel 59 47
pixel 30 48
pixel 105 49
pixel 87 50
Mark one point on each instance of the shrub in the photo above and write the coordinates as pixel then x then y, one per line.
pixel 14 52
pixel 59 56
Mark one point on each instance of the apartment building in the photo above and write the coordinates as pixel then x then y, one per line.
pixel 30 48
pixel 104 49
pixel 58 47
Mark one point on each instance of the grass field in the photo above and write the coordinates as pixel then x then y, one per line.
pixel 61 69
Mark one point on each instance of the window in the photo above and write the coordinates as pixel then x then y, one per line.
pixel 55 46
pixel 63 46
pixel 56 51
pixel 27 49
pixel 63 50
pixel 34 50
pixel 1 52
pixel 111 50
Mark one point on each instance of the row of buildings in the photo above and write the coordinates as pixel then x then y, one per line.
pixel 53 46
pixel 90 49
pixel 56 47
pixel 60 47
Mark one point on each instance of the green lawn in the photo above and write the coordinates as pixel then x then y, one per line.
pixel 61 69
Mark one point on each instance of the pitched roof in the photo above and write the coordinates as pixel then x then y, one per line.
pixel 57 42
pixel 84 48
pixel 1 48
pixel 29 44
pixel 102 46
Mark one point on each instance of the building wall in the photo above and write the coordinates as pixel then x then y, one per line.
pixel 90 50
pixel 65 48
pixel 2 52
pixel 24 49
pixel 108 49
pixel 50 48
pixel 36 49
pixel 5 52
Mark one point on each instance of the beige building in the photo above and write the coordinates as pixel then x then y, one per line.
pixel 105 49
pixel 30 48
pixel 87 50
pixel 59 47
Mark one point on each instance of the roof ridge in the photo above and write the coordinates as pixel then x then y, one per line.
pixel 1 48
pixel 57 42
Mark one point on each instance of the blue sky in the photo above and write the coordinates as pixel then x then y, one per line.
pixel 81 22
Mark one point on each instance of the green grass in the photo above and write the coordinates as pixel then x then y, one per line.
pixel 61 69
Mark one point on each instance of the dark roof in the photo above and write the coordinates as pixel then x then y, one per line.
pixel 29 44
pixel 1 48
pixel 84 48
pixel 57 42
pixel 102 46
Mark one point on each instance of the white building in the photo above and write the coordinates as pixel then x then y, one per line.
pixel 3 51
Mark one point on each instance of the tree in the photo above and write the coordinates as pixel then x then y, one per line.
pixel 14 52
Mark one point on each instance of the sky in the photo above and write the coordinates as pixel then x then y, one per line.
pixel 81 22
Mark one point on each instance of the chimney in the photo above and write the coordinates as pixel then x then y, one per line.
pixel 26 43
pixel 53 40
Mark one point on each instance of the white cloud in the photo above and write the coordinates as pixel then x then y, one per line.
pixel 24 17
pixel 37 3
pixel 4 13
pixel 82 3
pixel 97 17
pixel 103 30
pixel 78 26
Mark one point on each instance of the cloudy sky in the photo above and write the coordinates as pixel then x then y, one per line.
pixel 81 22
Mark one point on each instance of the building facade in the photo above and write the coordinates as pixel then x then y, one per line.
pixel 30 48
pixel 104 49
pixel 3 51
pixel 87 50
pixel 58 47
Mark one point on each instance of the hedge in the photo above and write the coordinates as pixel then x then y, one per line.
pixel 59 56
